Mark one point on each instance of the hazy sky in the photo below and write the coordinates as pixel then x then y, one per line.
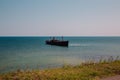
pixel 59 17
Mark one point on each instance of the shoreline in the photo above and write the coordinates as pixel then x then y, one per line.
pixel 85 71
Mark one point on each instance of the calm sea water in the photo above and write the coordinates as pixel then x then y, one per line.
pixel 33 53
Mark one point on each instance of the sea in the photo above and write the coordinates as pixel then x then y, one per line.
pixel 32 52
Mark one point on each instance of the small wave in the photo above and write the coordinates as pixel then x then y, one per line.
pixel 78 45
pixel 75 45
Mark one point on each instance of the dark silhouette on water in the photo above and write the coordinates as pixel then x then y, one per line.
pixel 56 42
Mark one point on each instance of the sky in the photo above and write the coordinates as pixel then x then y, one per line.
pixel 59 17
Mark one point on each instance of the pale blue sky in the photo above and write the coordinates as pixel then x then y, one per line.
pixel 59 17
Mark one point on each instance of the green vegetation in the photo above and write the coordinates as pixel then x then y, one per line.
pixel 85 71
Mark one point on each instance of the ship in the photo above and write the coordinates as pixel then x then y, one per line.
pixel 56 42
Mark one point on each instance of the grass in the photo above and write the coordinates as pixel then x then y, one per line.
pixel 86 71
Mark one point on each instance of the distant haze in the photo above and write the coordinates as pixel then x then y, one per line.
pixel 59 17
